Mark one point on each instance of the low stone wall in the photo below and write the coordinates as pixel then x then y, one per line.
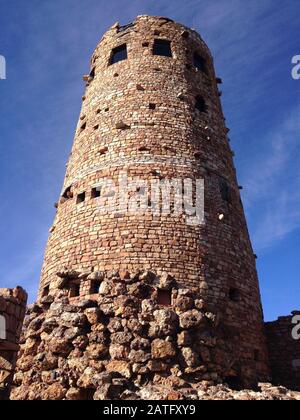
pixel 12 312
pixel 283 338
pixel 129 336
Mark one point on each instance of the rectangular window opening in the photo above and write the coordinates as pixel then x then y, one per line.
pixel 164 297
pixel 162 47
pixel 67 194
pixel 118 54
pixel 93 73
pixel 96 192
pixel 200 63
pixel 200 104
pixel 46 290
pixel 80 198
pixel 225 190
pixel 95 287
pixel 74 290
pixel 234 294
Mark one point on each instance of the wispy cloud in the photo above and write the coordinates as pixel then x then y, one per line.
pixel 272 194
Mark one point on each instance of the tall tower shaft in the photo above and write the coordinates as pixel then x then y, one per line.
pixel 152 110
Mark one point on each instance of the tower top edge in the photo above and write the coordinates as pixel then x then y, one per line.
pixel 116 28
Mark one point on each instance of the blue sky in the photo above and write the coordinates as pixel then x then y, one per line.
pixel 47 46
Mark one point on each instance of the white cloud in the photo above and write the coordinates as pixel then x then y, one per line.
pixel 272 194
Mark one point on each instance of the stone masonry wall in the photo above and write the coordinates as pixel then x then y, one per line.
pixel 112 346
pixel 12 312
pixel 156 118
pixel 284 352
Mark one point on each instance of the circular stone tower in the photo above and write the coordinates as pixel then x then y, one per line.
pixel 151 114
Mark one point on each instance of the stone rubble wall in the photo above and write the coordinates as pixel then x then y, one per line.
pixel 284 352
pixel 109 347
pixel 12 308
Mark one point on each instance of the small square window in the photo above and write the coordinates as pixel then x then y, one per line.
pixel 96 192
pixel 200 104
pixel 118 54
pixel 93 73
pixel 80 198
pixel 95 287
pixel 162 48
pixel 46 290
pixel 152 106
pixel 234 294
pixel 83 127
pixel 164 297
pixel 74 290
pixel 67 194
pixel 225 190
pixel 200 63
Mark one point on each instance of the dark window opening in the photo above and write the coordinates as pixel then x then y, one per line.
pixel 74 290
pixel 256 355
pixel 81 198
pixel 96 127
pixel 46 291
pixel 234 294
pixel 144 149
pixel 164 297
pixel 200 63
pixel 118 54
pixel 200 104
pixel 225 190
pixel 162 48
pixel 67 193
pixel 83 127
pixel 145 44
pixel 95 287
pixel 96 192
pixel 152 106
pixel 93 73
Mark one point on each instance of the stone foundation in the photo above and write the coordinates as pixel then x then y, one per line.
pixel 12 312
pixel 122 339
pixel 284 351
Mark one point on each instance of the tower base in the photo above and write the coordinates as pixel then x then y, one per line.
pixel 139 329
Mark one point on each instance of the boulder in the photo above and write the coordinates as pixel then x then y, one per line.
pixel 121 367
pixel 161 349
pixel 191 319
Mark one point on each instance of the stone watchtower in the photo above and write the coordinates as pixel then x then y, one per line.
pixel 152 111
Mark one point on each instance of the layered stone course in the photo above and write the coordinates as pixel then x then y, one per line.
pixel 284 351
pixel 12 312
